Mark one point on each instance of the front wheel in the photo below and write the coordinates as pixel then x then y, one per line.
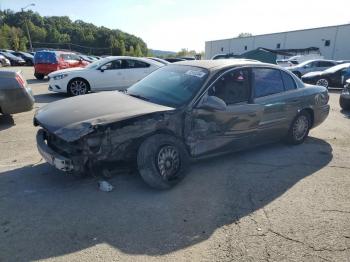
pixel 39 76
pixel 299 129
pixel 77 87
pixel 162 161
pixel 323 82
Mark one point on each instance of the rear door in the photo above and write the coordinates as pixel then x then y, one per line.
pixel 135 70
pixel 270 93
pixel 217 131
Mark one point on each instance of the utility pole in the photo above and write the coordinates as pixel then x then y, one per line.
pixel 26 22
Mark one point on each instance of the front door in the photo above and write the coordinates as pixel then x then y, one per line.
pixel 230 129
pixel 111 77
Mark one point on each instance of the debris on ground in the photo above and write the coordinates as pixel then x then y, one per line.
pixel 105 186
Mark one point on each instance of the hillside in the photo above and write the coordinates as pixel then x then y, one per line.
pixel 63 33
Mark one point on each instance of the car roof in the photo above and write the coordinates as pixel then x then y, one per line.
pixel 143 59
pixel 214 65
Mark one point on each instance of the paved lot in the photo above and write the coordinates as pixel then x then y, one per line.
pixel 276 203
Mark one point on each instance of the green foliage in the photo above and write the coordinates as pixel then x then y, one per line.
pixel 62 33
pixel 184 52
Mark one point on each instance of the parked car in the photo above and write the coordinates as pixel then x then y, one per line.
pixel 187 110
pixel 4 61
pixel 14 60
pixel 296 60
pixel 87 58
pixel 343 61
pixel 111 73
pixel 344 99
pixel 164 62
pixel 28 58
pixel 46 62
pixel 331 77
pixel 311 66
pixel 174 60
pixel 15 95
pixel 223 56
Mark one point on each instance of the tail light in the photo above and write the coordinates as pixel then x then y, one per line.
pixel 20 81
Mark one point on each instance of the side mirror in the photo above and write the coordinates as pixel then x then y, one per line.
pixel 212 103
pixel 103 68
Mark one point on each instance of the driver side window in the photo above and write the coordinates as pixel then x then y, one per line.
pixel 233 87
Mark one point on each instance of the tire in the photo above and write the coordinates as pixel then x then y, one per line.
pixel 39 76
pixel 78 86
pixel 323 82
pixel 162 161
pixel 297 135
pixel 344 103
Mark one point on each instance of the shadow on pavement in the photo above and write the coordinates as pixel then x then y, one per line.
pixel 36 81
pixel 6 121
pixel 45 214
pixel 50 97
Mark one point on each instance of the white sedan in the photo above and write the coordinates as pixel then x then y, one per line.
pixel 110 73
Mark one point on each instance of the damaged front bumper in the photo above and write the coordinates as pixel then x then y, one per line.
pixel 60 162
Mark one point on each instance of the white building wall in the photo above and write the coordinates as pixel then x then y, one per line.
pixel 339 37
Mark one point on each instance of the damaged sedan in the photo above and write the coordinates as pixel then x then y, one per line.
pixel 180 112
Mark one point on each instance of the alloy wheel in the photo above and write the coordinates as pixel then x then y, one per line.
pixel 322 82
pixel 301 127
pixel 168 162
pixel 78 87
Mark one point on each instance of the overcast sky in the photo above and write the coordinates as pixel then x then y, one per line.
pixel 175 24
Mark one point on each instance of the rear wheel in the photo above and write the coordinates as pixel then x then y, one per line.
pixel 77 87
pixel 162 161
pixel 323 82
pixel 299 129
pixel 39 76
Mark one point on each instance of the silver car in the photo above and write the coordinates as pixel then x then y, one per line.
pixel 15 96
pixel 311 66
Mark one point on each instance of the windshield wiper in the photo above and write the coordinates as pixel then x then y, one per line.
pixel 138 96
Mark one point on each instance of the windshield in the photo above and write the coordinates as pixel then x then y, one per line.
pixel 98 63
pixel 171 86
pixel 337 67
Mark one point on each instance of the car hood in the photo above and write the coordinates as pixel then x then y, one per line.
pixel 73 118
pixel 312 74
pixel 66 71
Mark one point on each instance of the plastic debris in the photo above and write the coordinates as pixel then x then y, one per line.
pixel 105 186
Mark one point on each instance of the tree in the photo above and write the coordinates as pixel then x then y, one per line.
pixel 131 51
pixel 138 51
pixel 244 35
pixel 122 47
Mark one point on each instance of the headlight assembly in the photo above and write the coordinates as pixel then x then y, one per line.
pixel 59 77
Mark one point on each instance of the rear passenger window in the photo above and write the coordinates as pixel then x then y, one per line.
pixel 288 81
pixel 135 64
pixel 233 87
pixel 267 81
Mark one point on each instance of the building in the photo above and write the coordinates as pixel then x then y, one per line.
pixel 333 42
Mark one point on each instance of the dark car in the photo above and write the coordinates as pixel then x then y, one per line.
pixel 182 111
pixel 344 99
pixel 174 60
pixel 14 60
pixel 15 96
pixel 28 58
pixel 331 77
